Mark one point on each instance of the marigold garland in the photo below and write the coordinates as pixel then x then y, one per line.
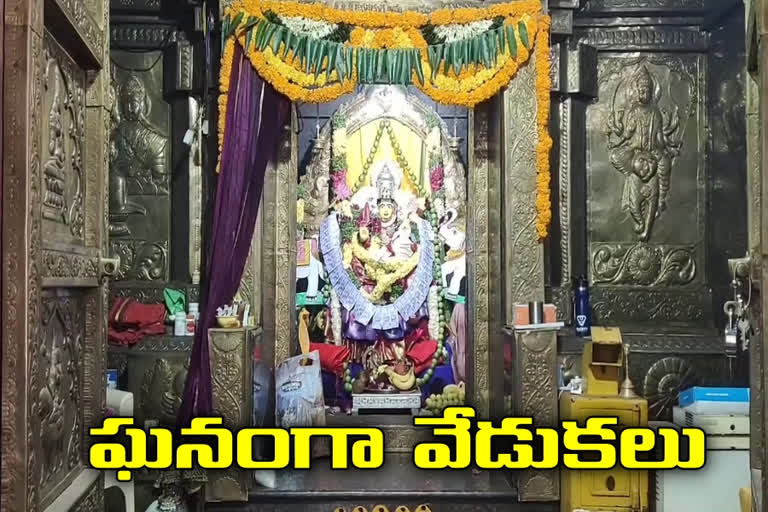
pixel 474 84
pixel 543 86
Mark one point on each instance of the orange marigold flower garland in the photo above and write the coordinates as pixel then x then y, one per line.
pixel 543 86
pixel 401 30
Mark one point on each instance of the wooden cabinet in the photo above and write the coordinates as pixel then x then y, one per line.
pixel 614 489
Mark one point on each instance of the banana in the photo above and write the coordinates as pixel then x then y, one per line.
pixel 401 382
pixel 450 388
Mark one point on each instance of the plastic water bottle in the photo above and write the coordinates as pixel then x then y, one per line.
pixel 581 313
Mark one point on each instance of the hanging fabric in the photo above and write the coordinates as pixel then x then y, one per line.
pixel 256 116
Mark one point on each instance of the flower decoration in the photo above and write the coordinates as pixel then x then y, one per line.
pixel 458 32
pixel 316 53
pixel 644 264
pixel 340 188
pixel 436 178
pixel 305 26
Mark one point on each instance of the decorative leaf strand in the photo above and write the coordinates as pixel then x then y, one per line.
pixel 397 66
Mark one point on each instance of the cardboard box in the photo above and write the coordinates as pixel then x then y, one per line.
pixel 522 317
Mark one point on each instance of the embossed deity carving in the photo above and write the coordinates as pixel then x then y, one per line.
pixel 137 156
pixel 643 141
pixel 62 157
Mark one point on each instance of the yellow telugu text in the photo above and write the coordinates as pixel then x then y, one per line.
pixel 207 444
pixel 598 444
pixel 226 448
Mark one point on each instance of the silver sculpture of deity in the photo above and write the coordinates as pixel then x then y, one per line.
pixel 137 156
pixel 643 142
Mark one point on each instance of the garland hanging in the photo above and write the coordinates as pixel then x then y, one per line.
pixel 315 53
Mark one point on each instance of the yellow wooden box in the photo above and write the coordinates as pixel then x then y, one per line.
pixel 613 489
pixel 602 361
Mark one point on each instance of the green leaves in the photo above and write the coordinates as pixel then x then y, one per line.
pixel 401 66
pixel 511 41
pixel 419 70
pixel 434 54
pixel 523 30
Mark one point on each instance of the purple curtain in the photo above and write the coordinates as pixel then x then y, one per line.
pixel 256 115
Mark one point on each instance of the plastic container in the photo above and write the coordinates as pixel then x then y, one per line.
pixel 190 324
pixel 194 309
pixel 180 324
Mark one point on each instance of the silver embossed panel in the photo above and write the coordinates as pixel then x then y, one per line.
pixel 645 171
pixel 62 151
pixel 58 401
pixel 139 172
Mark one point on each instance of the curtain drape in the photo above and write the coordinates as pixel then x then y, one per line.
pixel 256 116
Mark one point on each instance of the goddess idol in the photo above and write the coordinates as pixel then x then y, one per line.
pixel 390 252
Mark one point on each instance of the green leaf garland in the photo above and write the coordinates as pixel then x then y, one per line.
pixel 396 66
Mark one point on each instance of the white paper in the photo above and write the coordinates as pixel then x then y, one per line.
pixel 189 136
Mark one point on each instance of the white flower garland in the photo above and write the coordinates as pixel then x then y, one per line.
pixel 456 32
pixel 434 313
pixel 339 141
pixel 311 28
pixel 335 317
pixel 439 205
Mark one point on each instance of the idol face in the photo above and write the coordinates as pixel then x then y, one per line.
pixel 386 211
pixel 644 92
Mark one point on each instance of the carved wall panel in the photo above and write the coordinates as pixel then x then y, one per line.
pixel 139 180
pixel 524 256
pixel 59 405
pixel 62 152
pixel 154 370
pixel 150 291
pixel 231 369
pixel 646 5
pixel 646 177
pixel 140 260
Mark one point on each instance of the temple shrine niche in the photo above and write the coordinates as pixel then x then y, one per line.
pixel 381 263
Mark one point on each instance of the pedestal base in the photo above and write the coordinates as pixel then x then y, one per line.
pixel 382 401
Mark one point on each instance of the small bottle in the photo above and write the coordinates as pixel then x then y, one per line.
pixel 581 313
pixel 180 324
pixel 194 309
pixel 190 324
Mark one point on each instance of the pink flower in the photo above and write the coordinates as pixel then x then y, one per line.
pixel 436 178
pixel 340 188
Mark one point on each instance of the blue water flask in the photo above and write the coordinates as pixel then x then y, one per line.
pixel 581 313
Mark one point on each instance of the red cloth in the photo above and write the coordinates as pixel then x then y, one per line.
pixel 332 357
pixel 421 354
pixel 420 347
pixel 130 321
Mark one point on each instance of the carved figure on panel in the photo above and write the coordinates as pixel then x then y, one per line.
pixel 140 146
pixel 58 404
pixel 54 168
pixel 140 260
pixel 161 391
pixel 120 205
pixel 52 412
pixel 63 160
pixel 643 141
